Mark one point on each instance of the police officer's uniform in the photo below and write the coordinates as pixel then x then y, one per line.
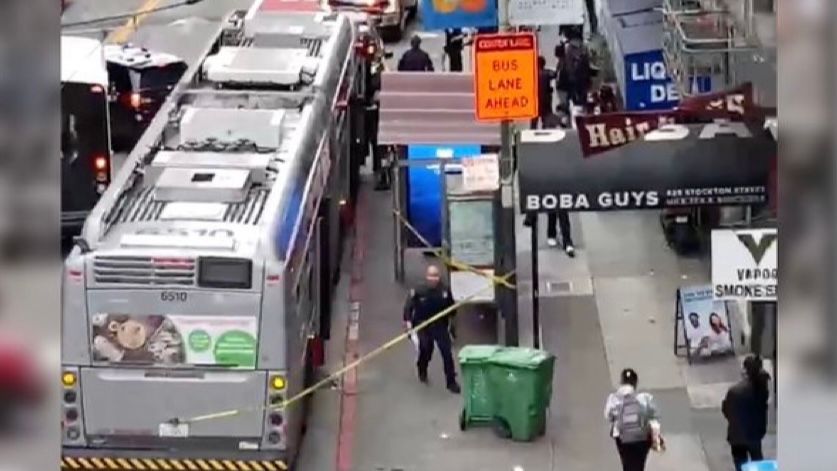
pixel 454 44
pixel 415 60
pixel 422 304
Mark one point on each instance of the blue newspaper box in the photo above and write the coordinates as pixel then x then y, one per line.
pixel 424 199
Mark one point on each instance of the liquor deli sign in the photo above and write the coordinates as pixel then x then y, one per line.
pixel 506 76
pixel 673 166
pixel 745 265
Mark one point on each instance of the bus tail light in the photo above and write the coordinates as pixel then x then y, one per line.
pixel 277 382
pixel 135 100
pixel 100 165
pixel 275 413
pixel 72 420
pixel 69 379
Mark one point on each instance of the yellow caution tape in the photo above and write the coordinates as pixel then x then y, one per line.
pixel 329 379
pixel 449 261
pixel 69 463
pixel 167 464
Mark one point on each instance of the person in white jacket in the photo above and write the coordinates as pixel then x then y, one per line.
pixel 634 422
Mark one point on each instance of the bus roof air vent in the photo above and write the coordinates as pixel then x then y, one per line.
pixel 256 66
pixel 262 128
pixel 203 185
pixel 187 211
pixel 257 163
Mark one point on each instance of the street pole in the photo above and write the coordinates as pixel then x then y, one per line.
pixel 505 240
pixel 536 294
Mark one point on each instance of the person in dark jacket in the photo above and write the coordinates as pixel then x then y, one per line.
pixel 745 408
pixel 415 59
pixel 579 71
pixel 372 120
pixel 454 44
pixel 422 304
pixel 545 78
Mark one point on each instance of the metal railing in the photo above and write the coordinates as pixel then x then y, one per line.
pixel 702 40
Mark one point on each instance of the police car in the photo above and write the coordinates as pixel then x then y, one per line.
pixel 140 81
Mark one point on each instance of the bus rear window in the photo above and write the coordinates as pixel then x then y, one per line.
pixel 160 77
pixel 221 272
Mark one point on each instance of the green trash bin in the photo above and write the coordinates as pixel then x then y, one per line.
pixel 474 362
pixel 521 384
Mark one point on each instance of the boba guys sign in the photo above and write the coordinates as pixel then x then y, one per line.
pixel 443 14
pixel 673 166
pixel 228 341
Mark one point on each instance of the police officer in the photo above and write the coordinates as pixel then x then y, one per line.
pixel 454 44
pixel 422 304
pixel 415 59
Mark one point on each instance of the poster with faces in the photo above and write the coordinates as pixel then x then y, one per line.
pixel 706 322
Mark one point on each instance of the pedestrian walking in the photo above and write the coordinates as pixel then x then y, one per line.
pixel 562 81
pixel 545 78
pixel 745 408
pixel 634 422
pixel 579 72
pixel 554 221
pixel 454 44
pixel 422 304
pixel 415 59
pixel 372 120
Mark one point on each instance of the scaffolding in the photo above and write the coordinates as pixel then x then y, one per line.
pixel 702 39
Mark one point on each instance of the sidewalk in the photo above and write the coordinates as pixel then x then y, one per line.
pixel 608 308
pixel 627 277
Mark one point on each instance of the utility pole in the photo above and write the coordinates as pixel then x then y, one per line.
pixel 506 244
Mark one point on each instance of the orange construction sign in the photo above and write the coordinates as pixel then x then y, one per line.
pixel 506 76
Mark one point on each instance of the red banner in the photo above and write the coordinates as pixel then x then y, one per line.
pixel 602 132
pixel 733 104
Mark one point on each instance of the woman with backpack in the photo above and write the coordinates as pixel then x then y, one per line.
pixel 634 422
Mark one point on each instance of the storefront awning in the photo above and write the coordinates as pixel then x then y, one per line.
pixel 680 165
pixel 431 108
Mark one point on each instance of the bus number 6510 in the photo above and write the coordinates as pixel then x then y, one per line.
pixel 173 296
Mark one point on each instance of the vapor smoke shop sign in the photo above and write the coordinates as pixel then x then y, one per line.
pixel 506 76
pixel 744 264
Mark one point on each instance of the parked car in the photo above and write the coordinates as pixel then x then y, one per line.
pixel 140 81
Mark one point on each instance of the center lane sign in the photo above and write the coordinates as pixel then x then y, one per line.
pixel 506 76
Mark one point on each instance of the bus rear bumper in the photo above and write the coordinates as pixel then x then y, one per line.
pixel 94 459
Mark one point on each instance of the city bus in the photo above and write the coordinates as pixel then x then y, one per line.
pixel 202 280
pixel 85 130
